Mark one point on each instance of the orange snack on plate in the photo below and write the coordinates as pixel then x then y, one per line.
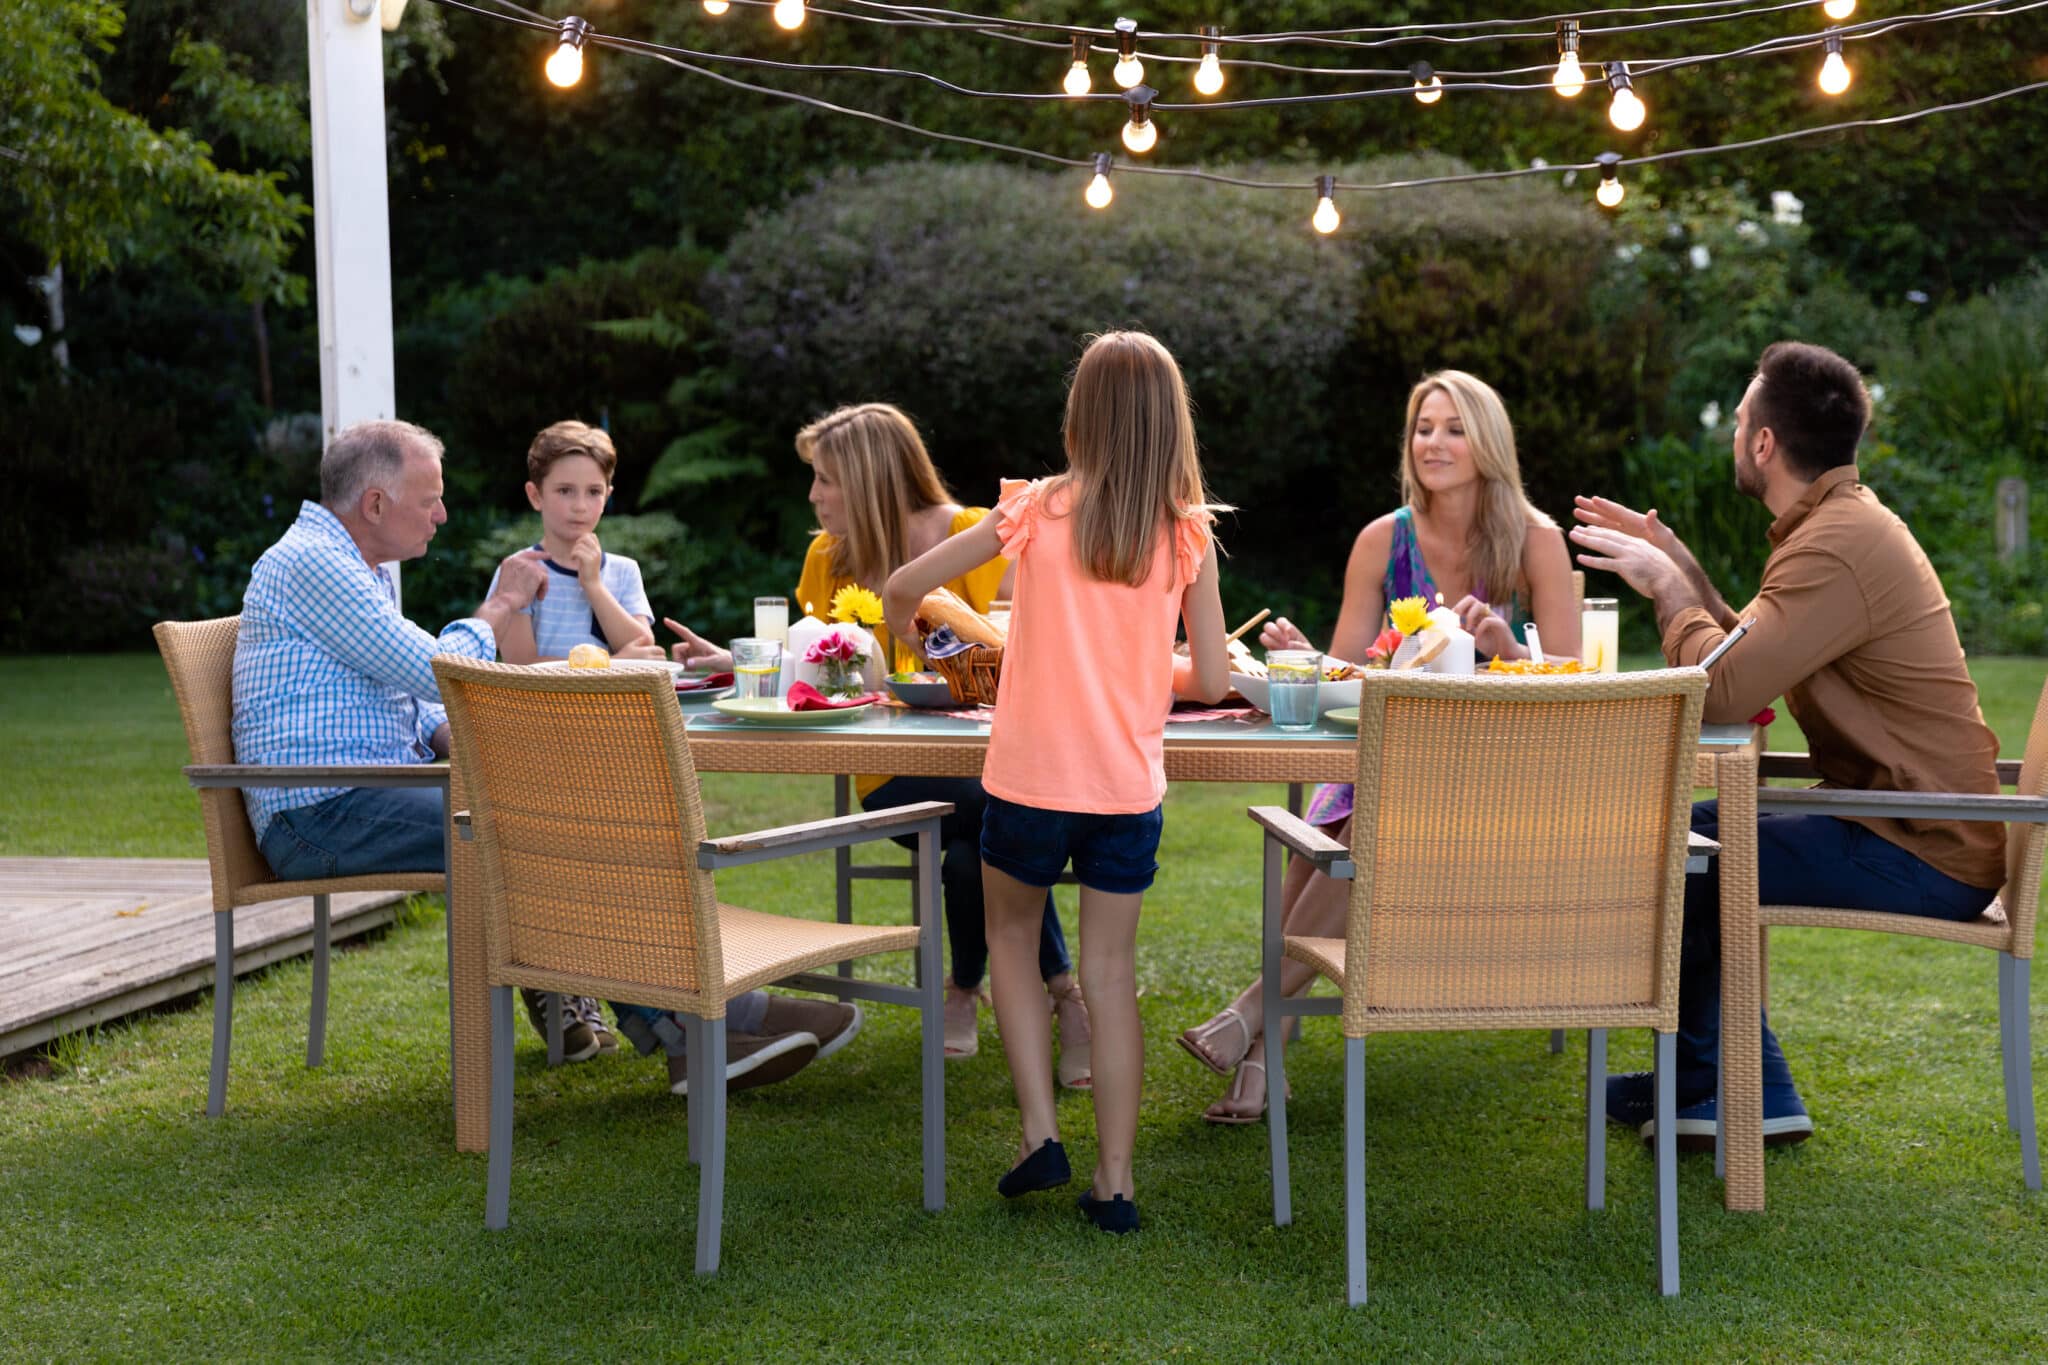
pixel 1526 667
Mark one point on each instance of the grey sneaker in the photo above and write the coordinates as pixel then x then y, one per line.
pixel 751 1060
pixel 579 1041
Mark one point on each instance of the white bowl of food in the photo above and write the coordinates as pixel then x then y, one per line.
pixel 1340 690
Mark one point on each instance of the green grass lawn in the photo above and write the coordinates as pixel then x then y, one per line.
pixel 329 1214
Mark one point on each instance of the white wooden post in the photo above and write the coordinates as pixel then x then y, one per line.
pixel 351 215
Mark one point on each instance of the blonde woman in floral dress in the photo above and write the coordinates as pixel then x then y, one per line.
pixel 881 503
pixel 1466 536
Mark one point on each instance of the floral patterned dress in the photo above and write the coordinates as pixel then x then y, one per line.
pixel 1407 576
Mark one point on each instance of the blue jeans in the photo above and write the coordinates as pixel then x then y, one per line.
pixel 1801 860
pixel 960 875
pixel 361 831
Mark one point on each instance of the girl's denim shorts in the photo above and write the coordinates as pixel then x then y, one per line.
pixel 1113 853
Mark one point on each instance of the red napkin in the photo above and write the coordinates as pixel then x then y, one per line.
pixel 704 684
pixel 1763 717
pixel 804 697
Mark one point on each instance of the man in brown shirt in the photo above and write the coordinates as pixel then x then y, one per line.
pixel 1851 627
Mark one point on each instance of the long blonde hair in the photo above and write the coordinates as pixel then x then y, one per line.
pixel 1501 529
pixel 1132 466
pixel 873 452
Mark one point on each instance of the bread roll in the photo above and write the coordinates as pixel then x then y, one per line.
pixel 589 656
pixel 945 608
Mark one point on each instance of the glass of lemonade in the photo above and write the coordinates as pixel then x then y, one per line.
pixel 771 619
pixel 1293 677
pixel 757 668
pixel 1600 635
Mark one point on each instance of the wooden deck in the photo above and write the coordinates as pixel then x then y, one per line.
pixel 85 940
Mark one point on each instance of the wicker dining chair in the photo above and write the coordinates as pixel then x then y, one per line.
pixel 200 657
pixel 2006 928
pixel 1517 858
pixel 594 877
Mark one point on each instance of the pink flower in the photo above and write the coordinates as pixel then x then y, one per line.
pixel 1384 647
pixel 838 647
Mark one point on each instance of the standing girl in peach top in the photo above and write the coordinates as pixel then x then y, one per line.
pixel 1110 557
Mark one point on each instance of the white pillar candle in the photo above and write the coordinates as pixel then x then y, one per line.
pixel 1459 655
pixel 802 635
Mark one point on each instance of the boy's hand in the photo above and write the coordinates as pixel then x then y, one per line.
pixel 586 556
pixel 695 651
pixel 522 580
pixel 649 650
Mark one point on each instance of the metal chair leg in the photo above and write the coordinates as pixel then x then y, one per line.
pixel 498 1181
pixel 694 1064
pixel 2022 1091
pixel 708 1089
pixel 1272 1026
pixel 316 1026
pixel 842 862
pixel 2005 1041
pixel 223 1011
pixel 1556 1041
pixel 1667 1164
pixel 1354 1171
pixel 552 1010
pixel 1596 1118
pixel 932 1018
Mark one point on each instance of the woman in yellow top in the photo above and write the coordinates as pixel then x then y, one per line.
pixel 880 504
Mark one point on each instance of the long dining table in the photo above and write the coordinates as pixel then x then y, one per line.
pixel 1244 748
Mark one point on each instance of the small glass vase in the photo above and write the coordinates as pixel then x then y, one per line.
pixel 840 677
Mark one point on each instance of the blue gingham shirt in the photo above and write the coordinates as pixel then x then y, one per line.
pixel 327 670
pixel 565 619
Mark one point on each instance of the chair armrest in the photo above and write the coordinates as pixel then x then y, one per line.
pixel 205 775
pixel 1779 764
pixel 2022 810
pixel 1304 840
pixel 786 840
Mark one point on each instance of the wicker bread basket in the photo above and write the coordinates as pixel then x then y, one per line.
pixel 971 674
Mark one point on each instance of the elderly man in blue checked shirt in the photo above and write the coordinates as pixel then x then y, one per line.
pixel 327 670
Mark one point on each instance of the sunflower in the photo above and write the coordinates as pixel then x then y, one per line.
pixel 855 605
pixel 1408 614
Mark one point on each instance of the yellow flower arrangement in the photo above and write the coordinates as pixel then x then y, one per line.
pixel 855 605
pixel 1409 615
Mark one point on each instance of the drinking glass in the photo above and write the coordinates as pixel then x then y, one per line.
pixel 1600 635
pixel 757 668
pixel 1293 677
pixel 771 619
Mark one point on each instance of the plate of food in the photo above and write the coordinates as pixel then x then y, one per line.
pixel 928 690
pixel 774 711
pixel 586 657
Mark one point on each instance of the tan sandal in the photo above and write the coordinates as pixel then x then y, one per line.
pixel 963 1022
pixel 1234 1096
pixel 1075 1037
pixel 1200 1042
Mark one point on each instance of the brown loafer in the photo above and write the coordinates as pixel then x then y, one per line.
pixel 834 1023
pixel 751 1060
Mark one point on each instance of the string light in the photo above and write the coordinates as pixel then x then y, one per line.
pixel 1838 9
pixel 1209 75
pixel 1077 82
pixel 1429 87
pixel 1099 193
pixel 1141 134
pixel 1129 70
pixel 565 66
pixel 714 8
pixel 1610 192
pixel 1571 77
pixel 1626 110
pixel 1834 72
pixel 789 14
pixel 1326 217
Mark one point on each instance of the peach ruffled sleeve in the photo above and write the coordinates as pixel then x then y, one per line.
pixel 1019 508
pixel 1190 544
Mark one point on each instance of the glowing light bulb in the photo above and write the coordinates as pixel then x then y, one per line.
pixel 1610 191
pixel 1099 193
pixel 1141 137
pixel 1838 9
pixel 1129 70
pixel 1326 218
pixel 1834 72
pixel 1571 77
pixel 1609 194
pixel 565 68
pixel 1209 75
pixel 1429 87
pixel 714 8
pixel 1627 110
pixel 789 14
pixel 1077 82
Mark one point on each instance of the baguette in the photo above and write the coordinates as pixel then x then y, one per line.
pixel 945 608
